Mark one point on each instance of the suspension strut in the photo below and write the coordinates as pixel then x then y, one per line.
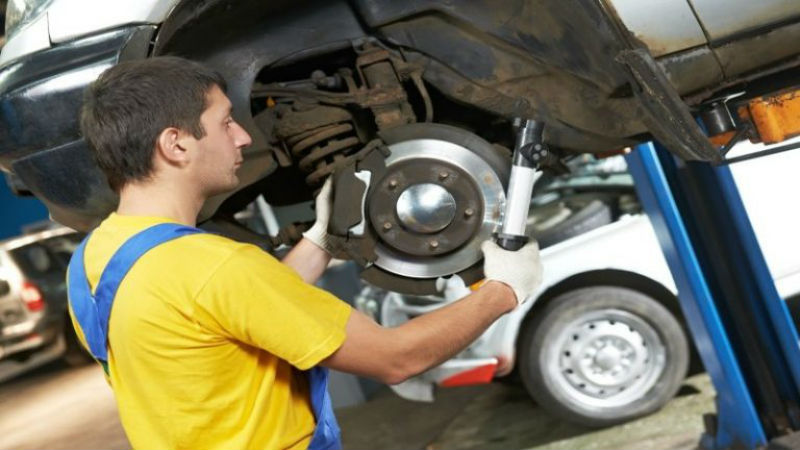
pixel 529 152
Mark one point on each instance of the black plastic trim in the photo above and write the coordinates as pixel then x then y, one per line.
pixel 41 94
pixel 40 140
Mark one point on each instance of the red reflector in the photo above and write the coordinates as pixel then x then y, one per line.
pixel 32 297
pixel 478 375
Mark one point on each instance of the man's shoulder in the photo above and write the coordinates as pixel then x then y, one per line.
pixel 206 246
pixel 214 247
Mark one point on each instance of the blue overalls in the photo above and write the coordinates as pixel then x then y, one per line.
pixel 93 311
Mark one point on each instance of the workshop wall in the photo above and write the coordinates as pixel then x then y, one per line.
pixel 17 212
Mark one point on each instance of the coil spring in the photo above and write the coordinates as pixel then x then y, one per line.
pixel 321 150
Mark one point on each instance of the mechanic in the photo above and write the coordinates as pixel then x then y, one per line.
pixel 212 343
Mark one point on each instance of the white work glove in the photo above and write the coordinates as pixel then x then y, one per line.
pixel 520 270
pixel 318 233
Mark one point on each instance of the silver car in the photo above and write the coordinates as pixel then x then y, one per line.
pixel 34 325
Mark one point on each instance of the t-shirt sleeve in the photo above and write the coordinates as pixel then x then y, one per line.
pixel 255 299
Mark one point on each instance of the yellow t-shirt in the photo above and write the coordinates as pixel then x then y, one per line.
pixel 205 338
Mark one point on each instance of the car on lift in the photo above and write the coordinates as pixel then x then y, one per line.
pixel 391 97
pixel 35 327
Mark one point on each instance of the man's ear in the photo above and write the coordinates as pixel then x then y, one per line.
pixel 171 146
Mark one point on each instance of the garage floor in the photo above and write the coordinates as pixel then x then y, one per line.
pixel 501 416
pixel 57 407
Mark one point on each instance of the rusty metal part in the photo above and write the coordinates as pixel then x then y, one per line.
pixel 665 113
pixel 383 199
pixel 380 70
pixel 318 137
pixel 382 74
pixel 318 127
pixel 303 116
pixel 776 117
pixel 491 66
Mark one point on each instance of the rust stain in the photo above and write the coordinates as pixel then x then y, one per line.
pixel 776 117
pixel 722 139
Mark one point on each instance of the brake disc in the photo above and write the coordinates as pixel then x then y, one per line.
pixel 456 183
pixel 439 195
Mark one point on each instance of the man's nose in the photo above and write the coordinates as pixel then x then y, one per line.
pixel 242 137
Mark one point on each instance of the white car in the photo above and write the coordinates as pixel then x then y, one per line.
pixel 603 341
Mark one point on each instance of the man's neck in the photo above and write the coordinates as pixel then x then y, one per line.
pixel 160 200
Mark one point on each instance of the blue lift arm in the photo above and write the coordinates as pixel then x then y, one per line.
pixel 741 327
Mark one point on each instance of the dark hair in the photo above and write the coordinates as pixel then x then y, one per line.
pixel 129 105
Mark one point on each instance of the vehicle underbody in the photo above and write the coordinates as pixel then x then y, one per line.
pixel 387 96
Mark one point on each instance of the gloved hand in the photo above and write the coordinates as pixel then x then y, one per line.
pixel 318 233
pixel 520 270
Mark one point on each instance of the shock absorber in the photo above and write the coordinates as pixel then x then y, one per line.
pixel 529 152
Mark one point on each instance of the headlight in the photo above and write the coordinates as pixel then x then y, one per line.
pixel 20 12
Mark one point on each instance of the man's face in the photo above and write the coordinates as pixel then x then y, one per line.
pixel 219 152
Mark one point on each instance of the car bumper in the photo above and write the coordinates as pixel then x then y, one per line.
pixel 40 142
pixel 28 335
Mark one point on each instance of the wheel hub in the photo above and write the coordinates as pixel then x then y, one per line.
pixel 610 358
pixel 608 355
pixel 426 208
pixel 607 358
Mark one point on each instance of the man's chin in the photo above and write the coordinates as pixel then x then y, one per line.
pixel 230 187
pixel 234 184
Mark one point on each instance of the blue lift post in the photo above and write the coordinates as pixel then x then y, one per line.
pixel 741 327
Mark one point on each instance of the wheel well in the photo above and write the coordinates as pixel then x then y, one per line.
pixel 620 278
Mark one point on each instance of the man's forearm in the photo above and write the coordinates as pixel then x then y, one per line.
pixel 433 338
pixel 308 260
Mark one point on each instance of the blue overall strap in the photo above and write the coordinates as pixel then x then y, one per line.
pixel 326 435
pixel 92 311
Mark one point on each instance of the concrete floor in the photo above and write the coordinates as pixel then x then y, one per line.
pixel 57 407
pixel 501 416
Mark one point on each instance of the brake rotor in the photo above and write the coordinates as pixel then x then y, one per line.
pixel 442 194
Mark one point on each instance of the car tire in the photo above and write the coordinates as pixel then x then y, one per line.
pixel 603 355
pixel 562 219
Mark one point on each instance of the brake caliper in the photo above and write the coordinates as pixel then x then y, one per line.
pixel 348 227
